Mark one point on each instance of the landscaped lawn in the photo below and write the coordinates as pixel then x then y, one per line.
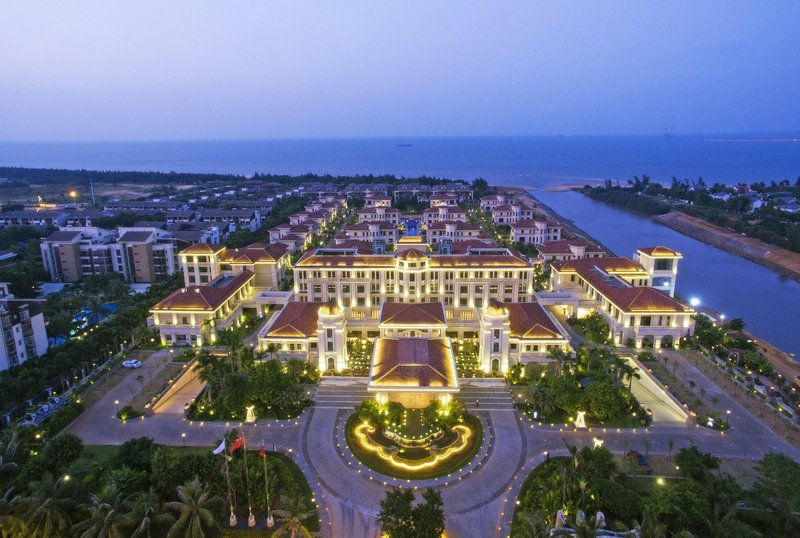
pixel 371 460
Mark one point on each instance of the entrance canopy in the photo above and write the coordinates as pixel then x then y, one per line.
pixel 413 365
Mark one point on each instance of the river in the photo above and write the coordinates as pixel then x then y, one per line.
pixel 769 304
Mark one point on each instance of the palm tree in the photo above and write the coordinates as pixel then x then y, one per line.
pixel 105 514
pixel 8 465
pixel 212 371
pixel 630 372
pixel 97 308
pixel 195 507
pixel 49 507
pixel 11 526
pixel 541 396
pixel 146 515
pixel 295 510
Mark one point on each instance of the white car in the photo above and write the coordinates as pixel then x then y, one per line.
pixel 132 364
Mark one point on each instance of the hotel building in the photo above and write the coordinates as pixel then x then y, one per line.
pixel 622 291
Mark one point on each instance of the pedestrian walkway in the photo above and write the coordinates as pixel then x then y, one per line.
pixel 486 398
pixel 340 396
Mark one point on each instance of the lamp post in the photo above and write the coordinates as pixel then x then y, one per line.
pixel 183 438
pixel 73 195
pixel 116 403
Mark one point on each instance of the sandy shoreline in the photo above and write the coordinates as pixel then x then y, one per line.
pixel 785 365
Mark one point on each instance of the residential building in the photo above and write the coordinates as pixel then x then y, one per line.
pixel 452 230
pixel 369 231
pixel 139 254
pixel 443 213
pixel 443 200
pixel 32 218
pixel 535 231
pixel 378 200
pixel 511 213
pixel 491 201
pixel 72 253
pixel 249 219
pixel 23 334
pixel 379 214
pixel 144 255
pixel 568 249
pixel 145 206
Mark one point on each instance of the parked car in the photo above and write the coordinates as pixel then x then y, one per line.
pixel 132 364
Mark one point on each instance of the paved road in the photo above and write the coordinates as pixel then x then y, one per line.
pixel 480 503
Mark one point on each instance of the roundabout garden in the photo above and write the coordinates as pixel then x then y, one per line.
pixel 413 444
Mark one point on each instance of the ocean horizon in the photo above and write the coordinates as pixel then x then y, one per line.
pixel 533 162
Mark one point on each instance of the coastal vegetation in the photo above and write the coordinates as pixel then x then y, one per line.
pixel 699 499
pixel 57 487
pixel 752 209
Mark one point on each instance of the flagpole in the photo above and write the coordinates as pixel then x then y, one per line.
pixel 232 521
pixel 270 521
pixel 251 520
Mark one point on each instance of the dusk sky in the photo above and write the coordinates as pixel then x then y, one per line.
pixel 155 70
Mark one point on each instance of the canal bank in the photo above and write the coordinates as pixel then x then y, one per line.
pixel 780 260
pixel 733 286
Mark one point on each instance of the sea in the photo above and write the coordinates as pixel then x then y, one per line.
pixel 769 304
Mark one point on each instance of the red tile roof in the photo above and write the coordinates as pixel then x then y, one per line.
pixel 442 224
pixel 413 362
pixel 624 296
pixel 562 247
pixel 202 248
pixel 297 320
pixel 255 253
pixel 610 265
pixel 208 297
pixel 659 251
pixel 412 314
pixel 530 321
pixel 411 254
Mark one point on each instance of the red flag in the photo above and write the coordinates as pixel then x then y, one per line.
pixel 263 452
pixel 237 443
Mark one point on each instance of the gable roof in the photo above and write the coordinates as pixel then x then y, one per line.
pixel 296 320
pixel 413 362
pixel 208 297
pixel 202 248
pixel 412 314
pixel 530 321
pixel 660 251
pixel 411 254
pixel 254 253
pixel 563 246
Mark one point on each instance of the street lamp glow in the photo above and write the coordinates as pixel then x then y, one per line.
pixel 694 302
